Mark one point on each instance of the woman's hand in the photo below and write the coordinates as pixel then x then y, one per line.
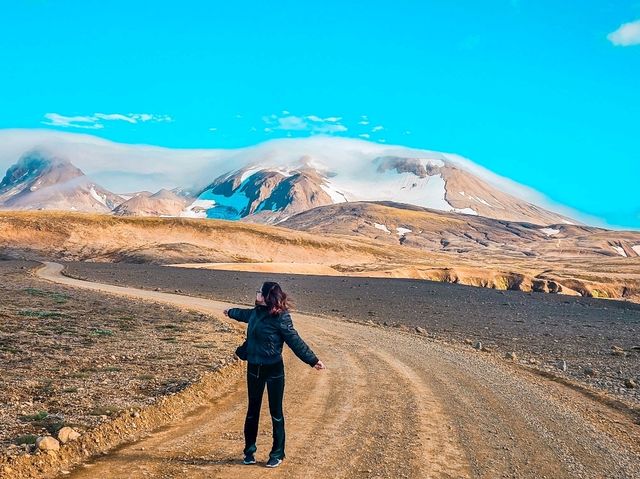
pixel 226 312
pixel 320 365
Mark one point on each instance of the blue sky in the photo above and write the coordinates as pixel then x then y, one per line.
pixel 543 92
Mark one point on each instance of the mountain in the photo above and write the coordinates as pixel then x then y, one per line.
pixel 437 231
pixel 40 181
pixel 263 194
pixel 273 194
pixel 274 180
pixel 162 203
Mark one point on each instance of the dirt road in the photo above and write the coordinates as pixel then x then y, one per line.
pixel 391 404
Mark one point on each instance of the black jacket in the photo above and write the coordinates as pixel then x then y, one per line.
pixel 266 334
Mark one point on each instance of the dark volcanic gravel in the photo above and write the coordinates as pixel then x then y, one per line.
pixel 540 328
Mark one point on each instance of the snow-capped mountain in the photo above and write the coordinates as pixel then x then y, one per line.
pixel 274 180
pixel 264 194
pixel 273 194
pixel 40 181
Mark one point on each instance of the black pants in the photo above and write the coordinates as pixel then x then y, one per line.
pixel 257 376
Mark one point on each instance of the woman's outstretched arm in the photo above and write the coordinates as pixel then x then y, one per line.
pixel 239 314
pixel 296 343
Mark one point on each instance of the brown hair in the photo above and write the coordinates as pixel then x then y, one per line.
pixel 275 299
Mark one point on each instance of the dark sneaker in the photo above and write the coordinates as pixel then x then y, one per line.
pixel 249 459
pixel 274 462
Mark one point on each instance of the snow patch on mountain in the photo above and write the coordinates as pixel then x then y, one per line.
pixel 198 209
pixel 100 198
pixel 428 192
pixel 381 227
pixel 550 231
pixel 335 195
pixel 466 211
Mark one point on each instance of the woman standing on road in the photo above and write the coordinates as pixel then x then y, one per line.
pixel 269 326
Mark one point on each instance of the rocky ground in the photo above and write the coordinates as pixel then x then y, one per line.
pixel 392 403
pixel 75 358
pixel 595 342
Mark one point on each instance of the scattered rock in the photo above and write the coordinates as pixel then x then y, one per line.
pixel 478 345
pixel 511 355
pixel 630 383
pixel 487 349
pixel 590 372
pixel 468 341
pixel 617 351
pixel 420 330
pixel 47 443
pixel 67 434
pixel 562 365
pixel 533 361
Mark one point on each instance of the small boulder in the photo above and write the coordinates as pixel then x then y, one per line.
pixel 468 341
pixel 590 372
pixel 630 383
pixel 562 365
pixel 67 434
pixel 478 345
pixel 420 330
pixel 617 351
pixel 47 443
pixel 511 355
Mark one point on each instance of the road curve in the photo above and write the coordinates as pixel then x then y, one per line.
pixel 391 404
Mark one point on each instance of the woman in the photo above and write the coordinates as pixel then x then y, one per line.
pixel 269 325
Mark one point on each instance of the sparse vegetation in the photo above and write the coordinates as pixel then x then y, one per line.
pixel 34 417
pixel 26 439
pixel 30 313
pixel 102 332
pixel 62 348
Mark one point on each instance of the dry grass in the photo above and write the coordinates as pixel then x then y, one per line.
pixel 72 357
pixel 477 251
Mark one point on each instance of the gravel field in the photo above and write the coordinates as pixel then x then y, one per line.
pixel 542 329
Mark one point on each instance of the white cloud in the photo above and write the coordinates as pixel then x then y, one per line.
pixel 114 117
pixel 94 122
pixel 377 128
pixel 325 128
pixel 213 129
pixel 363 122
pixel 365 135
pixel 292 122
pixel 55 119
pixel 310 123
pixel 626 34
